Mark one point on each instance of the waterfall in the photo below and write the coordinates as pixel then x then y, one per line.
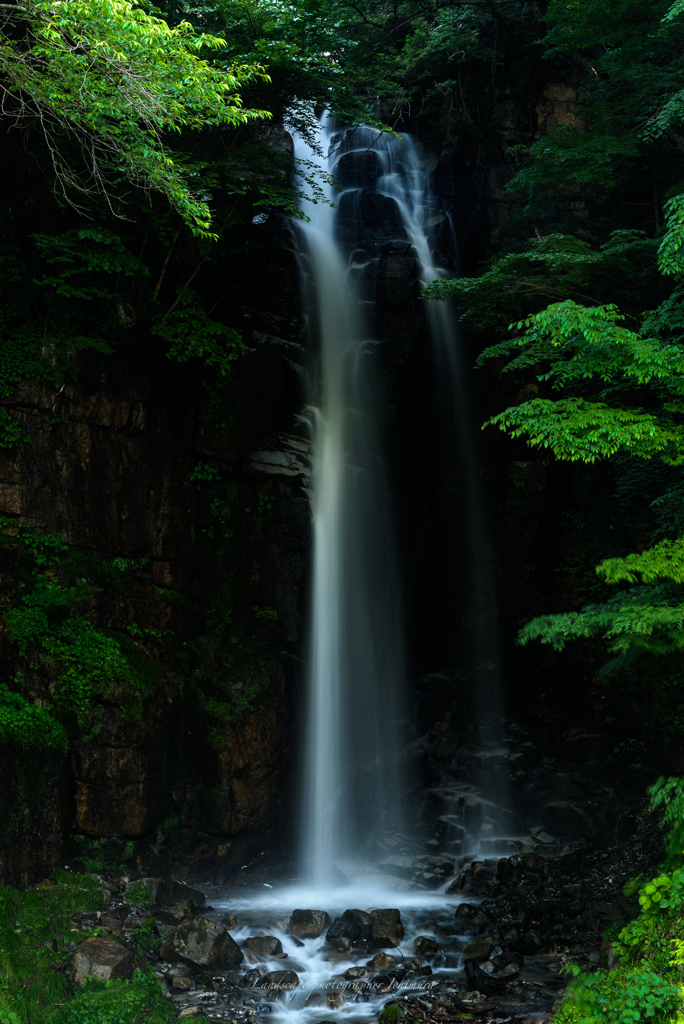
pixel 402 176
pixel 354 657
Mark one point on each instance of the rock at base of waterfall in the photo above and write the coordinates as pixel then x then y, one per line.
pixel 230 922
pixel 354 925
pixel 280 980
pixel 101 958
pixel 425 945
pixel 477 951
pixel 381 961
pixel 334 1000
pixel 387 931
pixel 309 924
pixel 356 972
pixel 264 945
pixel 475 879
pixel 200 942
pixel 479 981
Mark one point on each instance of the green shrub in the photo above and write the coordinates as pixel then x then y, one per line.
pixel 118 1002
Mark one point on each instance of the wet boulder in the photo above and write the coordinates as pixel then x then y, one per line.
pixel 522 869
pixel 477 951
pixel 358 169
pixel 264 945
pixel 585 745
pixel 101 958
pixel 280 980
pixel 478 980
pixel 354 925
pixel 475 879
pixel 387 931
pixel 470 919
pixel 425 945
pixel 309 924
pixel 504 960
pixel 200 942
pixel 368 219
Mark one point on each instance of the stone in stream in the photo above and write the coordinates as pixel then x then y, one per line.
pixel 387 931
pixel 101 958
pixel 200 942
pixel 264 945
pixel 478 981
pixel 334 1000
pixel 250 979
pixel 309 924
pixel 381 961
pixel 477 951
pixel 425 945
pixel 279 980
pixel 506 959
pixel 356 972
pixel 354 925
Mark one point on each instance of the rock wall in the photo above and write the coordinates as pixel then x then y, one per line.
pixel 170 787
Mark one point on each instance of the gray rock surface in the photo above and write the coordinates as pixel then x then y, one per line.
pixel 101 958
pixel 387 930
pixel 200 942
pixel 309 924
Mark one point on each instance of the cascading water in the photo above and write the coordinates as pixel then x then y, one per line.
pixel 354 660
pixel 403 177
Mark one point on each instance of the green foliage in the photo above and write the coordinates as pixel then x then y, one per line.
pixel 647 983
pixel 669 795
pixel 392 1012
pixel 243 701
pixel 117 79
pixel 620 997
pixel 107 855
pixel 553 267
pixel 35 931
pixel 192 335
pixel 36 939
pixel 573 348
pixel 118 1002
pixel 46 624
pixel 138 895
pixel 29 725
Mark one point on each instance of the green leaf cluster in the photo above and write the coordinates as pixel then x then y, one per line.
pixel 68 659
pixel 117 80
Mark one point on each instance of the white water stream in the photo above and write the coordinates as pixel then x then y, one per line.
pixel 354 661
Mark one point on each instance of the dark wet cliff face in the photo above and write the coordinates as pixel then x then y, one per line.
pixel 192 540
